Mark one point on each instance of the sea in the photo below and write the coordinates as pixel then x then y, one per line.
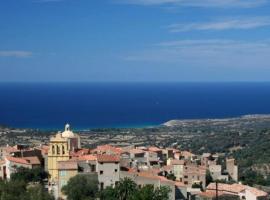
pixel 84 106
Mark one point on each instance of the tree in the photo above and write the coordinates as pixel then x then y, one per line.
pixel 149 192
pixel 37 192
pixel 81 187
pixel 108 193
pixel 171 176
pixel 125 188
pixel 17 189
pixel 13 190
pixel 29 175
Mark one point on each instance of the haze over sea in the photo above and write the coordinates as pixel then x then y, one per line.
pixel 105 105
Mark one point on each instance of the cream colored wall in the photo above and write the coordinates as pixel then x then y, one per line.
pixel 54 157
pixel 178 171
pixel 64 179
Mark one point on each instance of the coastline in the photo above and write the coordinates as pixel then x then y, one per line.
pixel 169 123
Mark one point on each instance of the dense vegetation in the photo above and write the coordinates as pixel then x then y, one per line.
pixel 250 148
pixel 83 187
pixel 26 184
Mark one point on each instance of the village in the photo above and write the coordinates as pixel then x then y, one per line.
pixel 189 176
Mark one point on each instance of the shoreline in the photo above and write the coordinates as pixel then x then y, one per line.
pixel 168 123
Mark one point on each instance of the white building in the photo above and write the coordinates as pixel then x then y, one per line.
pixel 108 169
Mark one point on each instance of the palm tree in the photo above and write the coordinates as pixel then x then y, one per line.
pixel 126 189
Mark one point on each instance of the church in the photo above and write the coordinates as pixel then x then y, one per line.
pixel 61 145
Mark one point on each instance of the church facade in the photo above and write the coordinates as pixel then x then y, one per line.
pixel 59 150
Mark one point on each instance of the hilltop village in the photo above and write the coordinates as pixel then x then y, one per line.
pixel 188 176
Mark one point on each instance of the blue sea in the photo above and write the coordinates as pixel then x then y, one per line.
pixel 111 105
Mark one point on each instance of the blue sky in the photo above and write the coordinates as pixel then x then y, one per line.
pixel 134 40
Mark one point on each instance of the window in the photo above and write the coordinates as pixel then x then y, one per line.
pixel 53 149
pixel 116 170
pixel 63 149
pixel 101 172
pixel 58 149
pixel 185 176
pixel 63 173
pixel 186 183
pixel 93 168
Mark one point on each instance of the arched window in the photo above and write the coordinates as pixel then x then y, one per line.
pixel 63 149
pixel 58 150
pixel 53 149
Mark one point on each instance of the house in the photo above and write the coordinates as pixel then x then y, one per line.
pixel 66 170
pixel 243 191
pixel 13 163
pixel 216 172
pixel 108 169
pixel 189 173
pixel 232 169
pixel 150 178
pixel 60 147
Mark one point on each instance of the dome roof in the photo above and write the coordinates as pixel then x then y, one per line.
pixel 67 133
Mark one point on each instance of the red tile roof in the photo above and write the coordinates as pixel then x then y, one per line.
pixel 256 192
pixel 236 188
pixel 24 160
pixel 87 157
pixel 10 149
pixel 67 165
pixel 233 188
pixel 177 162
pixel 154 149
pixel 108 149
pixel 108 158
pixel 136 151
pixel 33 160
pixel 151 176
pixel 210 194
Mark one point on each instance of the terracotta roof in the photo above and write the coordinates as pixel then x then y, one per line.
pixel 187 154
pixel 256 192
pixel 18 160
pixel 10 149
pixel 167 168
pixel 108 158
pixel 80 152
pixel 177 162
pixel 234 188
pixel 108 148
pixel 151 176
pixel 33 160
pixel 44 149
pixel 87 157
pixel 67 165
pixel 210 194
pixel 154 149
pixel 136 151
